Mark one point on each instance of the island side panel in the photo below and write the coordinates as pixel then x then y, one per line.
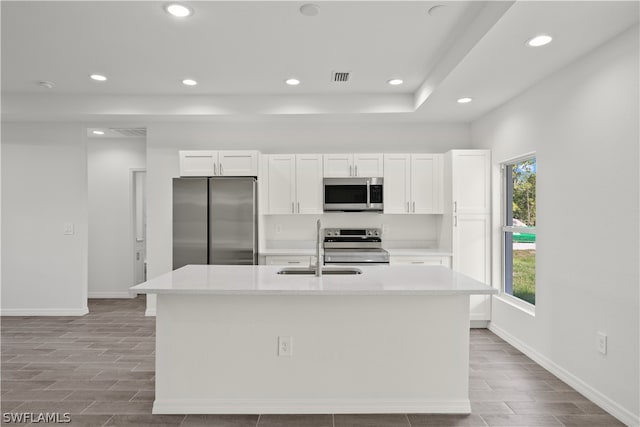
pixel 350 354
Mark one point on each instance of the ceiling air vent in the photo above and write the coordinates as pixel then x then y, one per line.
pixel 340 77
pixel 130 131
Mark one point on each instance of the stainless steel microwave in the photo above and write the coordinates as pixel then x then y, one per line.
pixel 353 194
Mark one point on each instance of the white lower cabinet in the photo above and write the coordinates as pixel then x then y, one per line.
pixel 420 260
pixel 471 248
pixel 290 260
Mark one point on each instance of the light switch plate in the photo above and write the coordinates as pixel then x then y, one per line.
pixel 68 228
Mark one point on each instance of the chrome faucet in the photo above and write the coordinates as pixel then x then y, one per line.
pixel 318 249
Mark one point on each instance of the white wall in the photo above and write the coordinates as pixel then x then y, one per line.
pixel 111 250
pixel 275 135
pixel 44 185
pixel 582 122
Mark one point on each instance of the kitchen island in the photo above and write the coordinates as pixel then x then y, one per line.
pixel 245 339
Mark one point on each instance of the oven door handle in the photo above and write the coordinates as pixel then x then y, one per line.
pixel 368 193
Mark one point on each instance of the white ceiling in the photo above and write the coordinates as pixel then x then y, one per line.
pixel 241 52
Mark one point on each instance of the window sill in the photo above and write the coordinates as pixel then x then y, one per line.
pixel 517 304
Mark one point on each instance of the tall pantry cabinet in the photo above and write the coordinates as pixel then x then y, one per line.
pixel 467 182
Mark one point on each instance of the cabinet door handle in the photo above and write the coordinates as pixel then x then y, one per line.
pixel 356 170
pixel 455 220
pixel 408 210
pixel 298 207
pixel 221 172
pixel 293 209
pixel 414 207
pixel 350 170
pixel 214 170
pixel 455 207
pixel 293 262
pixel 417 262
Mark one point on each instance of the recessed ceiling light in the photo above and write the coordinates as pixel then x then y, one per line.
pixel 464 100
pixel 98 77
pixel 98 132
pixel 178 10
pixel 540 40
pixel 309 9
pixel 46 84
pixel 189 82
pixel 395 82
pixel 292 82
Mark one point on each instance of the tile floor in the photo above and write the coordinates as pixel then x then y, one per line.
pixel 100 369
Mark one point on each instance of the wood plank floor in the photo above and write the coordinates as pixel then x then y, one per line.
pixel 100 369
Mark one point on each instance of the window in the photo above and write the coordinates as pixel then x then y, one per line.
pixel 518 228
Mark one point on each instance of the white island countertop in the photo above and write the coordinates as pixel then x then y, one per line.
pixel 264 280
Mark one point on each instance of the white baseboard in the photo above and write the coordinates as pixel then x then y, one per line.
pixel 44 311
pixel 150 312
pixel 309 406
pixel 482 324
pixel 119 294
pixel 613 408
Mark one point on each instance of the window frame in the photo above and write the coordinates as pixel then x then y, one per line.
pixel 504 229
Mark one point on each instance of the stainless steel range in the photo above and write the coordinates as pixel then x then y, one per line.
pixel 354 246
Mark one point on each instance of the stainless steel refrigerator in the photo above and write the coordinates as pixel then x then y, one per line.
pixel 215 221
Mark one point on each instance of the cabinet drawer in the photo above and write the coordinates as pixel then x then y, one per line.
pixel 421 260
pixel 301 261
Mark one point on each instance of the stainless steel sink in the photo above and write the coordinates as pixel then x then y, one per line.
pixel 326 270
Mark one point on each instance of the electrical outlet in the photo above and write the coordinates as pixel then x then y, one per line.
pixel 285 348
pixel 602 343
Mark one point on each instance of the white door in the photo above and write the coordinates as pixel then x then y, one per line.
pixel 139 227
pixel 397 183
pixel 368 165
pixel 238 163
pixel 309 183
pixel 281 191
pixel 471 257
pixel 198 163
pixel 338 165
pixel 471 181
pixel 426 183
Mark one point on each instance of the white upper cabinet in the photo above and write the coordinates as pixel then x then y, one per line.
pixel 198 163
pixel 426 183
pixel 349 165
pixel 238 163
pixel 338 165
pixel 218 163
pixel 413 183
pixel 309 183
pixel 281 183
pixel 471 181
pixel 397 183
pixel 294 184
pixel 368 165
